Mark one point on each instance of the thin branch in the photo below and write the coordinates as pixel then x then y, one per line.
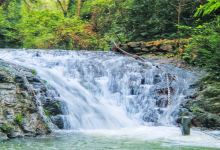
pixel 60 3
pixel 27 4
pixel 126 53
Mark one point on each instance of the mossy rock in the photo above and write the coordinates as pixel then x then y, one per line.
pixel 207 120
pixel 6 128
pixel 211 91
pixel 52 108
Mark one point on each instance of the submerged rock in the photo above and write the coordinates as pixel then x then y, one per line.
pixel 3 136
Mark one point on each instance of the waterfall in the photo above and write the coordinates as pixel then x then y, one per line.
pixel 104 90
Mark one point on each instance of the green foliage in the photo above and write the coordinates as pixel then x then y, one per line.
pixel 204 50
pixel 52 24
pixel 34 72
pixel 10 15
pixel 47 112
pixel 19 119
pixel 125 20
pixel 150 19
pixel 108 18
pixel 208 8
pixel 38 27
pixel 33 26
pixel 6 128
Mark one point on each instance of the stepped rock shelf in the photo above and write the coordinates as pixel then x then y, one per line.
pixel 24 100
pixel 156 47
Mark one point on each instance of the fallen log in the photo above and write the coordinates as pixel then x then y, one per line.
pixel 126 53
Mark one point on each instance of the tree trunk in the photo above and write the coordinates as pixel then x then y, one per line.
pixel 78 8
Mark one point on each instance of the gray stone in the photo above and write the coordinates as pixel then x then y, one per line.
pixel 157 79
pixel 58 121
pixel 166 47
pixel 7 86
pixel 3 137
pixel 15 134
pixel 20 109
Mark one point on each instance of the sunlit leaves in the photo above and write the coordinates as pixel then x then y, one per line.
pixel 208 8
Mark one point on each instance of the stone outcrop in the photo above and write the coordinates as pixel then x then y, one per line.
pixel 27 103
pixel 205 106
pixel 156 47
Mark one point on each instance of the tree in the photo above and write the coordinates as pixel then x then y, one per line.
pixel 10 16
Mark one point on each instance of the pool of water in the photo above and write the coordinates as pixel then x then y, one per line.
pixel 153 138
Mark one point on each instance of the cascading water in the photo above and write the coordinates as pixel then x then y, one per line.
pixel 106 90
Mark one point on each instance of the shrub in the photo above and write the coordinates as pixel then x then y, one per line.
pixel 6 128
pixel 19 119
pixel 34 72
pixel 203 49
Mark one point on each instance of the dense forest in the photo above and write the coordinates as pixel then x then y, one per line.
pixel 94 24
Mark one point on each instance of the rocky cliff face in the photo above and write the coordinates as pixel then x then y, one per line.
pixel 205 106
pixel 28 107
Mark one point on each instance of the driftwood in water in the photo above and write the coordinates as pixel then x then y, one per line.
pixel 126 53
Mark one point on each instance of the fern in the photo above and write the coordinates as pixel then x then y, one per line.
pixel 208 8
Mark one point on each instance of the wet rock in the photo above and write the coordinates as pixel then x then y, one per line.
pixel 7 86
pixel 162 102
pixel 2 77
pixel 9 115
pixel 205 106
pixel 143 81
pixel 15 134
pixel 33 79
pixel 58 121
pixel 152 117
pixel 53 107
pixel 157 79
pixel 21 95
pixel 164 91
pixel 3 137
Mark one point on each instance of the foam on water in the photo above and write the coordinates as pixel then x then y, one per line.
pixel 106 90
pixel 112 95
pixel 169 135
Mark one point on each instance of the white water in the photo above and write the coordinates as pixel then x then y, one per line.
pixel 107 91
pixel 167 135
